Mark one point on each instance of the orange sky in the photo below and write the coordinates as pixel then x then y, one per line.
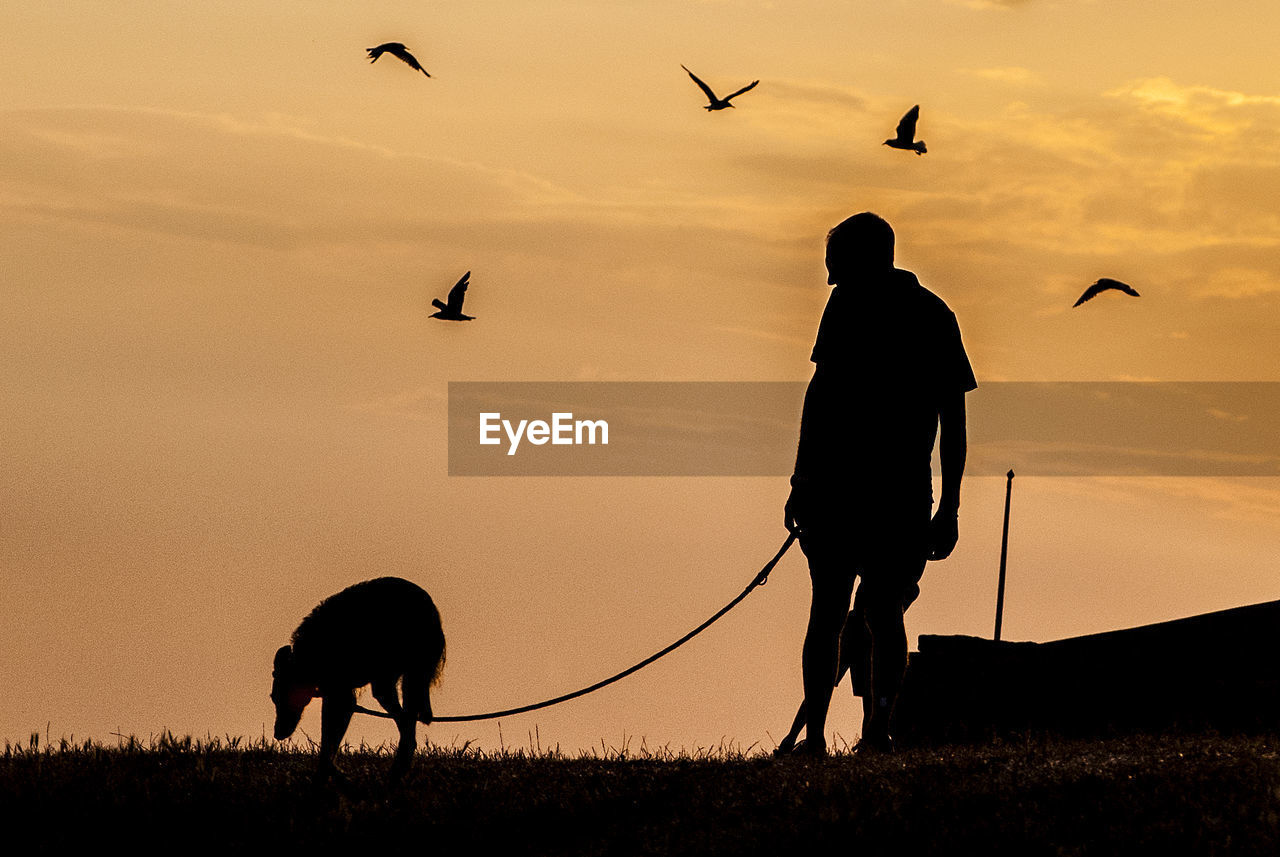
pixel 222 228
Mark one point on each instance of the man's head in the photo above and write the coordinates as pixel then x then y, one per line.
pixel 859 245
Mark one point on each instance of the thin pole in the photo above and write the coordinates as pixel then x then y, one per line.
pixel 1004 553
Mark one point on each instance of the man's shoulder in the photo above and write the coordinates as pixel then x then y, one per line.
pixel 924 300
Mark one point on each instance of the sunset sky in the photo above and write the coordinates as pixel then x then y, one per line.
pixel 222 228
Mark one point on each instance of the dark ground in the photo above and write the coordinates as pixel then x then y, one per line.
pixel 1134 795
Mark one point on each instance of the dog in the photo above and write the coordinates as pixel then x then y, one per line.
pixel 381 633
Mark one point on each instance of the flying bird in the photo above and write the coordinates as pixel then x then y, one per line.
pixel 1103 285
pixel 452 311
pixel 906 138
pixel 396 49
pixel 716 102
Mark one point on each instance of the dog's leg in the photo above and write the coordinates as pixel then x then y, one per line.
pixel 335 716
pixel 406 721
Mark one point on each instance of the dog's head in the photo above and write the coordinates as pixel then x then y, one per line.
pixel 289 695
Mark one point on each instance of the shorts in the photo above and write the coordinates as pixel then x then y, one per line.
pixel 885 543
pixel 885 546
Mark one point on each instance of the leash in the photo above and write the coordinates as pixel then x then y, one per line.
pixel 760 580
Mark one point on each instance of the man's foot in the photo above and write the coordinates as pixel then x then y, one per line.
pixel 874 745
pixel 803 749
pixel 811 749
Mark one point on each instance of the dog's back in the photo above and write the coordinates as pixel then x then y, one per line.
pixel 383 627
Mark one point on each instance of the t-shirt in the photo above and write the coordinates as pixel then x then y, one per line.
pixel 890 352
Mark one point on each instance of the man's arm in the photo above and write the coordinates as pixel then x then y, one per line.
pixel 816 400
pixel 953 447
pixel 816 405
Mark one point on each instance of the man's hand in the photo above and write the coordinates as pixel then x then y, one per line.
pixel 944 532
pixel 795 509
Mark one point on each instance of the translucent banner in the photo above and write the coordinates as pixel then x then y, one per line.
pixel 747 428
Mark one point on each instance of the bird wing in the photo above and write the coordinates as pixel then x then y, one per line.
pixel 412 61
pixel 436 302
pixel 750 85
pixel 907 127
pixel 702 85
pixel 1108 283
pixel 458 292
pixel 1091 291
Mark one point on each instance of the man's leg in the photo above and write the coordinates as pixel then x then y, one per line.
pixel 888 589
pixel 832 589
pixel 888 665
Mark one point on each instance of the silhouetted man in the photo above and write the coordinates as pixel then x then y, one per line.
pixel 890 367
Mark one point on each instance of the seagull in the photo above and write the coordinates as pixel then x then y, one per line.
pixel 906 138
pixel 452 311
pixel 717 103
pixel 396 49
pixel 1101 286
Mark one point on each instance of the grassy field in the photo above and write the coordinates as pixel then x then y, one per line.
pixel 1147 795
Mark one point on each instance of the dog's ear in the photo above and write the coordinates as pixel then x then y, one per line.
pixel 284 659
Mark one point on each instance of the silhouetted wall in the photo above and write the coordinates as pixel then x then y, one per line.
pixel 1212 671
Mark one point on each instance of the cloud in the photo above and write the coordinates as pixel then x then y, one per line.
pixel 1014 75
pixel 421 403
pixel 798 340
pixel 1252 500
pixel 227 179
pixel 1238 193
pixel 1231 282
pixel 818 94
pixel 1218 112
pixel 1140 170
pixel 271 182
pixel 1164 93
pixel 990 4
pixel 802 114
